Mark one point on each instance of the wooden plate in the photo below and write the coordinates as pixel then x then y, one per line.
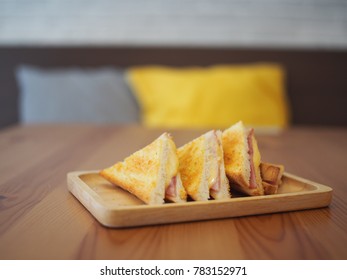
pixel 114 207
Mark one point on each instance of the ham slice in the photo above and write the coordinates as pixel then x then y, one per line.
pixel 171 189
pixel 252 179
pixel 216 183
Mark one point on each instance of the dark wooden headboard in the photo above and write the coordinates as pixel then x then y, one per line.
pixel 316 79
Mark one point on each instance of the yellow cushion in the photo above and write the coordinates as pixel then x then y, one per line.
pixel 211 97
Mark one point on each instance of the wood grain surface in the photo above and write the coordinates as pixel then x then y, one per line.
pixel 40 219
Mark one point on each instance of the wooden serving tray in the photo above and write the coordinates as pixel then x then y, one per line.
pixel 115 207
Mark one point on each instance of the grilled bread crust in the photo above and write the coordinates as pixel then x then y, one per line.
pixel 236 158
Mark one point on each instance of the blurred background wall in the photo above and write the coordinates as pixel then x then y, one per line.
pixel 308 37
pixel 265 23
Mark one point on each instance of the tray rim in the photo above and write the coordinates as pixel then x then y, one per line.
pixel 320 189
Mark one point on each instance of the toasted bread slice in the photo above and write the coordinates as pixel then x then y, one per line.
pixel 201 165
pixel 270 188
pixel 272 176
pixel 242 159
pixel 271 173
pixel 150 172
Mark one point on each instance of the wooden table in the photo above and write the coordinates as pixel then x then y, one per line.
pixel 40 219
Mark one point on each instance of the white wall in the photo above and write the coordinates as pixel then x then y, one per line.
pixel 262 23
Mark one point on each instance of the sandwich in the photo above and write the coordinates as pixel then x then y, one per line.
pixel 242 159
pixel 151 173
pixel 201 165
pixel 272 176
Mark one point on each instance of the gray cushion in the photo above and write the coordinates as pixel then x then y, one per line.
pixel 75 95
